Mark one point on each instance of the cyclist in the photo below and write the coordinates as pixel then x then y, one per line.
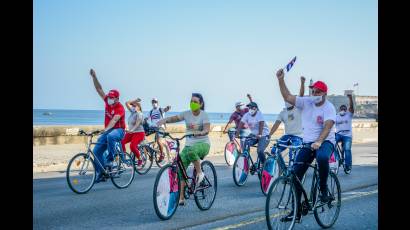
pixel 135 133
pixel 256 123
pixel 196 147
pixel 318 118
pixel 114 124
pixel 236 117
pixel 156 114
pixel 344 131
pixel 291 117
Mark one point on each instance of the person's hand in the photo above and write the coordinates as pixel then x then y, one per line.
pixel 316 145
pixel 168 107
pixel 280 74
pixel 92 73
pixel 302 79
pixel 248 95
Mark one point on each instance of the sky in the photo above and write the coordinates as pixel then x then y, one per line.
pixel 221 49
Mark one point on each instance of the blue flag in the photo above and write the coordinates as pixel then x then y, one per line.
pixel 289 66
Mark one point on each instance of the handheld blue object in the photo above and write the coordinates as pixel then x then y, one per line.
pixel 290 64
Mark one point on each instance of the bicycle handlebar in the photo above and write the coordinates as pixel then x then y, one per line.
pixel 166 134
pixel 93 133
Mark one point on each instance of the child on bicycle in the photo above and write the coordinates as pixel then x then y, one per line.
pixel 196 147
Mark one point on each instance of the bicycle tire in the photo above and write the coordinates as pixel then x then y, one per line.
pixel 147 160
pixel 240 171
pixel 213 181
pixel 334 184
pixel 266 178
pixel 75 181
pixel 129 163
pixel 170 200
pixel 230 156
pixel 281 192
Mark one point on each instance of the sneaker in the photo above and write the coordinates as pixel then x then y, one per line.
pixel 199 178
pixel 161 158
pixel 325 198
pixel 100 178
pixel 139 163
pixel 289 217
pixel 181 203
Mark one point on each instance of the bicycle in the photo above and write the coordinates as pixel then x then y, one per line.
pixel 81 170
pixel 275 164
pixel 167 183
pixel 241 167
pixel 340 155
pixel 150 151
pixel 232 148
pixel 282 200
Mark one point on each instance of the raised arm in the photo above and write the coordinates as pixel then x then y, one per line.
pixel 97 84
pixel 302 86
pixel 249 97
pixel 167 109
pixel 283 89
pixel 128 104
pixel 351 109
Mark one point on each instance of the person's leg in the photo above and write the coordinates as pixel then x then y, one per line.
pixel 136 139
pixel 185 162
pixel 127 139
pixel 296 141
pixel 113 137
pixel 99 149
pixel 322 158
pixel 347 148
pixel 262 144
pixel 338 138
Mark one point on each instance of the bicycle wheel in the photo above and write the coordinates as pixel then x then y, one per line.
pixel 281 202
pixel 326 214
pixel 230 153
pixel 206 192
pixel 167 158
pixel 166 192
pixel 146 159
pixel 240 170
pixel 81 173
pixel 123 174
pixel 270 172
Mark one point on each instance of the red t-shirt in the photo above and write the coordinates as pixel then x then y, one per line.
pixel 111 111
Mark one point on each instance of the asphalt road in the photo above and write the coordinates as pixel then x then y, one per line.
pixel 55 206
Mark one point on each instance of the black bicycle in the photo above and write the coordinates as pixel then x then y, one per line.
pixel 282 200
pixel 244 163
pixel 149 152
pixel 167 183
pixel 81 170
pixel 340 154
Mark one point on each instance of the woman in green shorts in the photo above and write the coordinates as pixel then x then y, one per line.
pixel 196 147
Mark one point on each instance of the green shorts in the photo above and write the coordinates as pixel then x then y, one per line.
pixel 194 153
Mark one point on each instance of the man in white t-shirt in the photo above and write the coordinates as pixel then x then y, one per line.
pixel 292 118
pixel 344 131
pixel 154 115
pixel 258 127
pixel 318 119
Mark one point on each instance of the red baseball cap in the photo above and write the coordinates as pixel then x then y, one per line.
pixel 113 93
pixel 319 85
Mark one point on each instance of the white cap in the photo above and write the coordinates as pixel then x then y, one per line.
pixel 239 104
pixel 154 99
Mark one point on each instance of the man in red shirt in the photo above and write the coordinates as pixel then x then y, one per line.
pixel 114 124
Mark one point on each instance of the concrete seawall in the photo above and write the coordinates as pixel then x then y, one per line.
pixel 363 131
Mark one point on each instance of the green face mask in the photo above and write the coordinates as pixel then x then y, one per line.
pixel 194 106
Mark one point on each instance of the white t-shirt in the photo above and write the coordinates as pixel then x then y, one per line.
pixel 292 120
pixel 344 124
pixel 195 124
pixel 155 116
pixel 314 117
pixel 253 123
pixel 134 118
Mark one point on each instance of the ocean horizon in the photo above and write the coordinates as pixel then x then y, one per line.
pixel 96 117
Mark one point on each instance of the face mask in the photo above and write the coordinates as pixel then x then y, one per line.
pixel 155 105
pixel 316 99
pixel 342 113
pixel 110 101
pixel 194 106
pixel 252 111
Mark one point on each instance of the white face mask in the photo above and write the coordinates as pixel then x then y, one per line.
pixel 252 111
pixel 316 99
pixel 155 105
pixel 342 113
pixel 242 107
pixel 110 101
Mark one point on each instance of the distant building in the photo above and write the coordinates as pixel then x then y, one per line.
pixel 364 106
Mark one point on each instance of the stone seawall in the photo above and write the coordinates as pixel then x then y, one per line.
pixel 55 135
